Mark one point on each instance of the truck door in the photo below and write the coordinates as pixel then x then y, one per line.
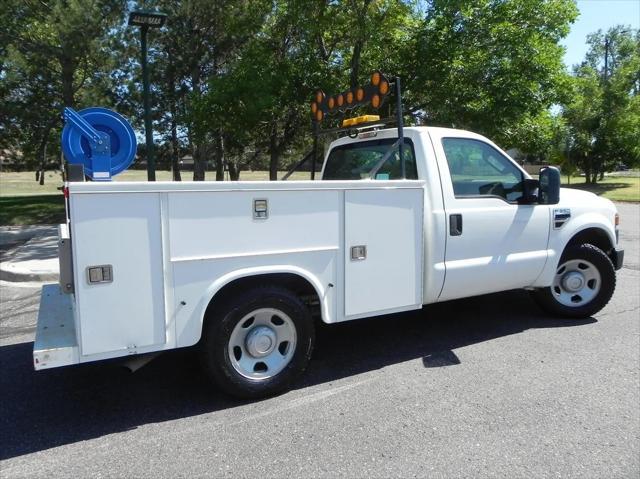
pixel 383 249
pixel 493 243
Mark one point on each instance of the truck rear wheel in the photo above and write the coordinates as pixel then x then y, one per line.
pixel 258 342
pixel 583 284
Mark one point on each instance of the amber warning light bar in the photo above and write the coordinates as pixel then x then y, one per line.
pixel 374 93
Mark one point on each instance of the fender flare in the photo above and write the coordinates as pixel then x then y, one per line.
pixel 228 278
pixel 558 244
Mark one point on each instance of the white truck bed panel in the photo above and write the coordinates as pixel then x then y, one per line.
pixel 123 231
pixel 389 224
pixel 220 224
pixel 196 281
pixel 56 343
pixel 172 246
pixel 196 186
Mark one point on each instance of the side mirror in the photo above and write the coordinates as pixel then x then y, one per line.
pixel 529 192
pixel 549 191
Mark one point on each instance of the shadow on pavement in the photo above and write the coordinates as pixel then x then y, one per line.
pixel 46 409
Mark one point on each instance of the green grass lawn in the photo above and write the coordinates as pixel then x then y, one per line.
pixel 24 201
pixel 24 183
pixel 32 210
pixel 616 188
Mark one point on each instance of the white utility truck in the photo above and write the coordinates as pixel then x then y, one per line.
pixel 241 269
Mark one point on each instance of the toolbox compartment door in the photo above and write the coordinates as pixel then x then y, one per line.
pixel 383 251
pixel 124 311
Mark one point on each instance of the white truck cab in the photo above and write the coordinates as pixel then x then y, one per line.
pixel 242 269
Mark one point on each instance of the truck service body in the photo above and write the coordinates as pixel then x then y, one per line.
pixel 147 267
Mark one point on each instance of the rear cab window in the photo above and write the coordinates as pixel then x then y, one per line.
pixel 354 161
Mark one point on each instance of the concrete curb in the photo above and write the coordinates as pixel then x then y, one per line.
pixel 26 277
pixel 22 234
pixel 29 253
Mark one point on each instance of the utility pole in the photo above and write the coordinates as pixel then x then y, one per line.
pixel 148 127
pixel 145 20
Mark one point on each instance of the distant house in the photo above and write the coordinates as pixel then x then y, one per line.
pixel 186 163
pixel 10 160
pixel 516 154
pixel 531 167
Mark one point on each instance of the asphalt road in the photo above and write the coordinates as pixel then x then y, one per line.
pixel 485 387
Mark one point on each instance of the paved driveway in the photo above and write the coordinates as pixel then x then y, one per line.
pixel 485 387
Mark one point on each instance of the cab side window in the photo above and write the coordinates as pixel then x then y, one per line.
pixel 478 169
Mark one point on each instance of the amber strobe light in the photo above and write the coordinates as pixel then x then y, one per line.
pixel 372 94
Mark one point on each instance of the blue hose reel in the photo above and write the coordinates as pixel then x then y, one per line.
pixel 101 140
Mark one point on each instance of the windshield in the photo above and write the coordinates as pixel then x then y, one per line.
pixel 355 161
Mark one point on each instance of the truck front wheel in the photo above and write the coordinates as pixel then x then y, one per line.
pixel 583 284
pixel 258 343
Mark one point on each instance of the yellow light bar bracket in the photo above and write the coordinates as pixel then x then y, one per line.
pixel 359 119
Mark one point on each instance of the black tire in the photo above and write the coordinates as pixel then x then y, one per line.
pixel 216 357
pixel 548 298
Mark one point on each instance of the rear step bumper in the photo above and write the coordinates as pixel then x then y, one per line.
pixel 56 343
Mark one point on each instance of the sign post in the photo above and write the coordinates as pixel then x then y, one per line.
pixel 145 20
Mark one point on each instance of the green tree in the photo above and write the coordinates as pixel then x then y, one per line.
pixel 302 46
pixel 491 66
pixel 201 40
pixel 54 54
pixel 603 114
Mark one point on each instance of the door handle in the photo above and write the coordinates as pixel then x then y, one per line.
pixel 455 225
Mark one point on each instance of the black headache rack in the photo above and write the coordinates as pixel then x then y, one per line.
pixel 373 94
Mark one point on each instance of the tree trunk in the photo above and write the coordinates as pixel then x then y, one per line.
pixel 175 149
pixel 355 63
pixel 199 163
pixel 43 163
pixel 67 69
pixel 587 169
pixel 274 155
pixel 219 156
pixel 199 148
pixel 234 171
pixel 359 45
pixel 42 154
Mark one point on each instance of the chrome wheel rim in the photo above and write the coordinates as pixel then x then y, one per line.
pixel 262 343
pixel 576 283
